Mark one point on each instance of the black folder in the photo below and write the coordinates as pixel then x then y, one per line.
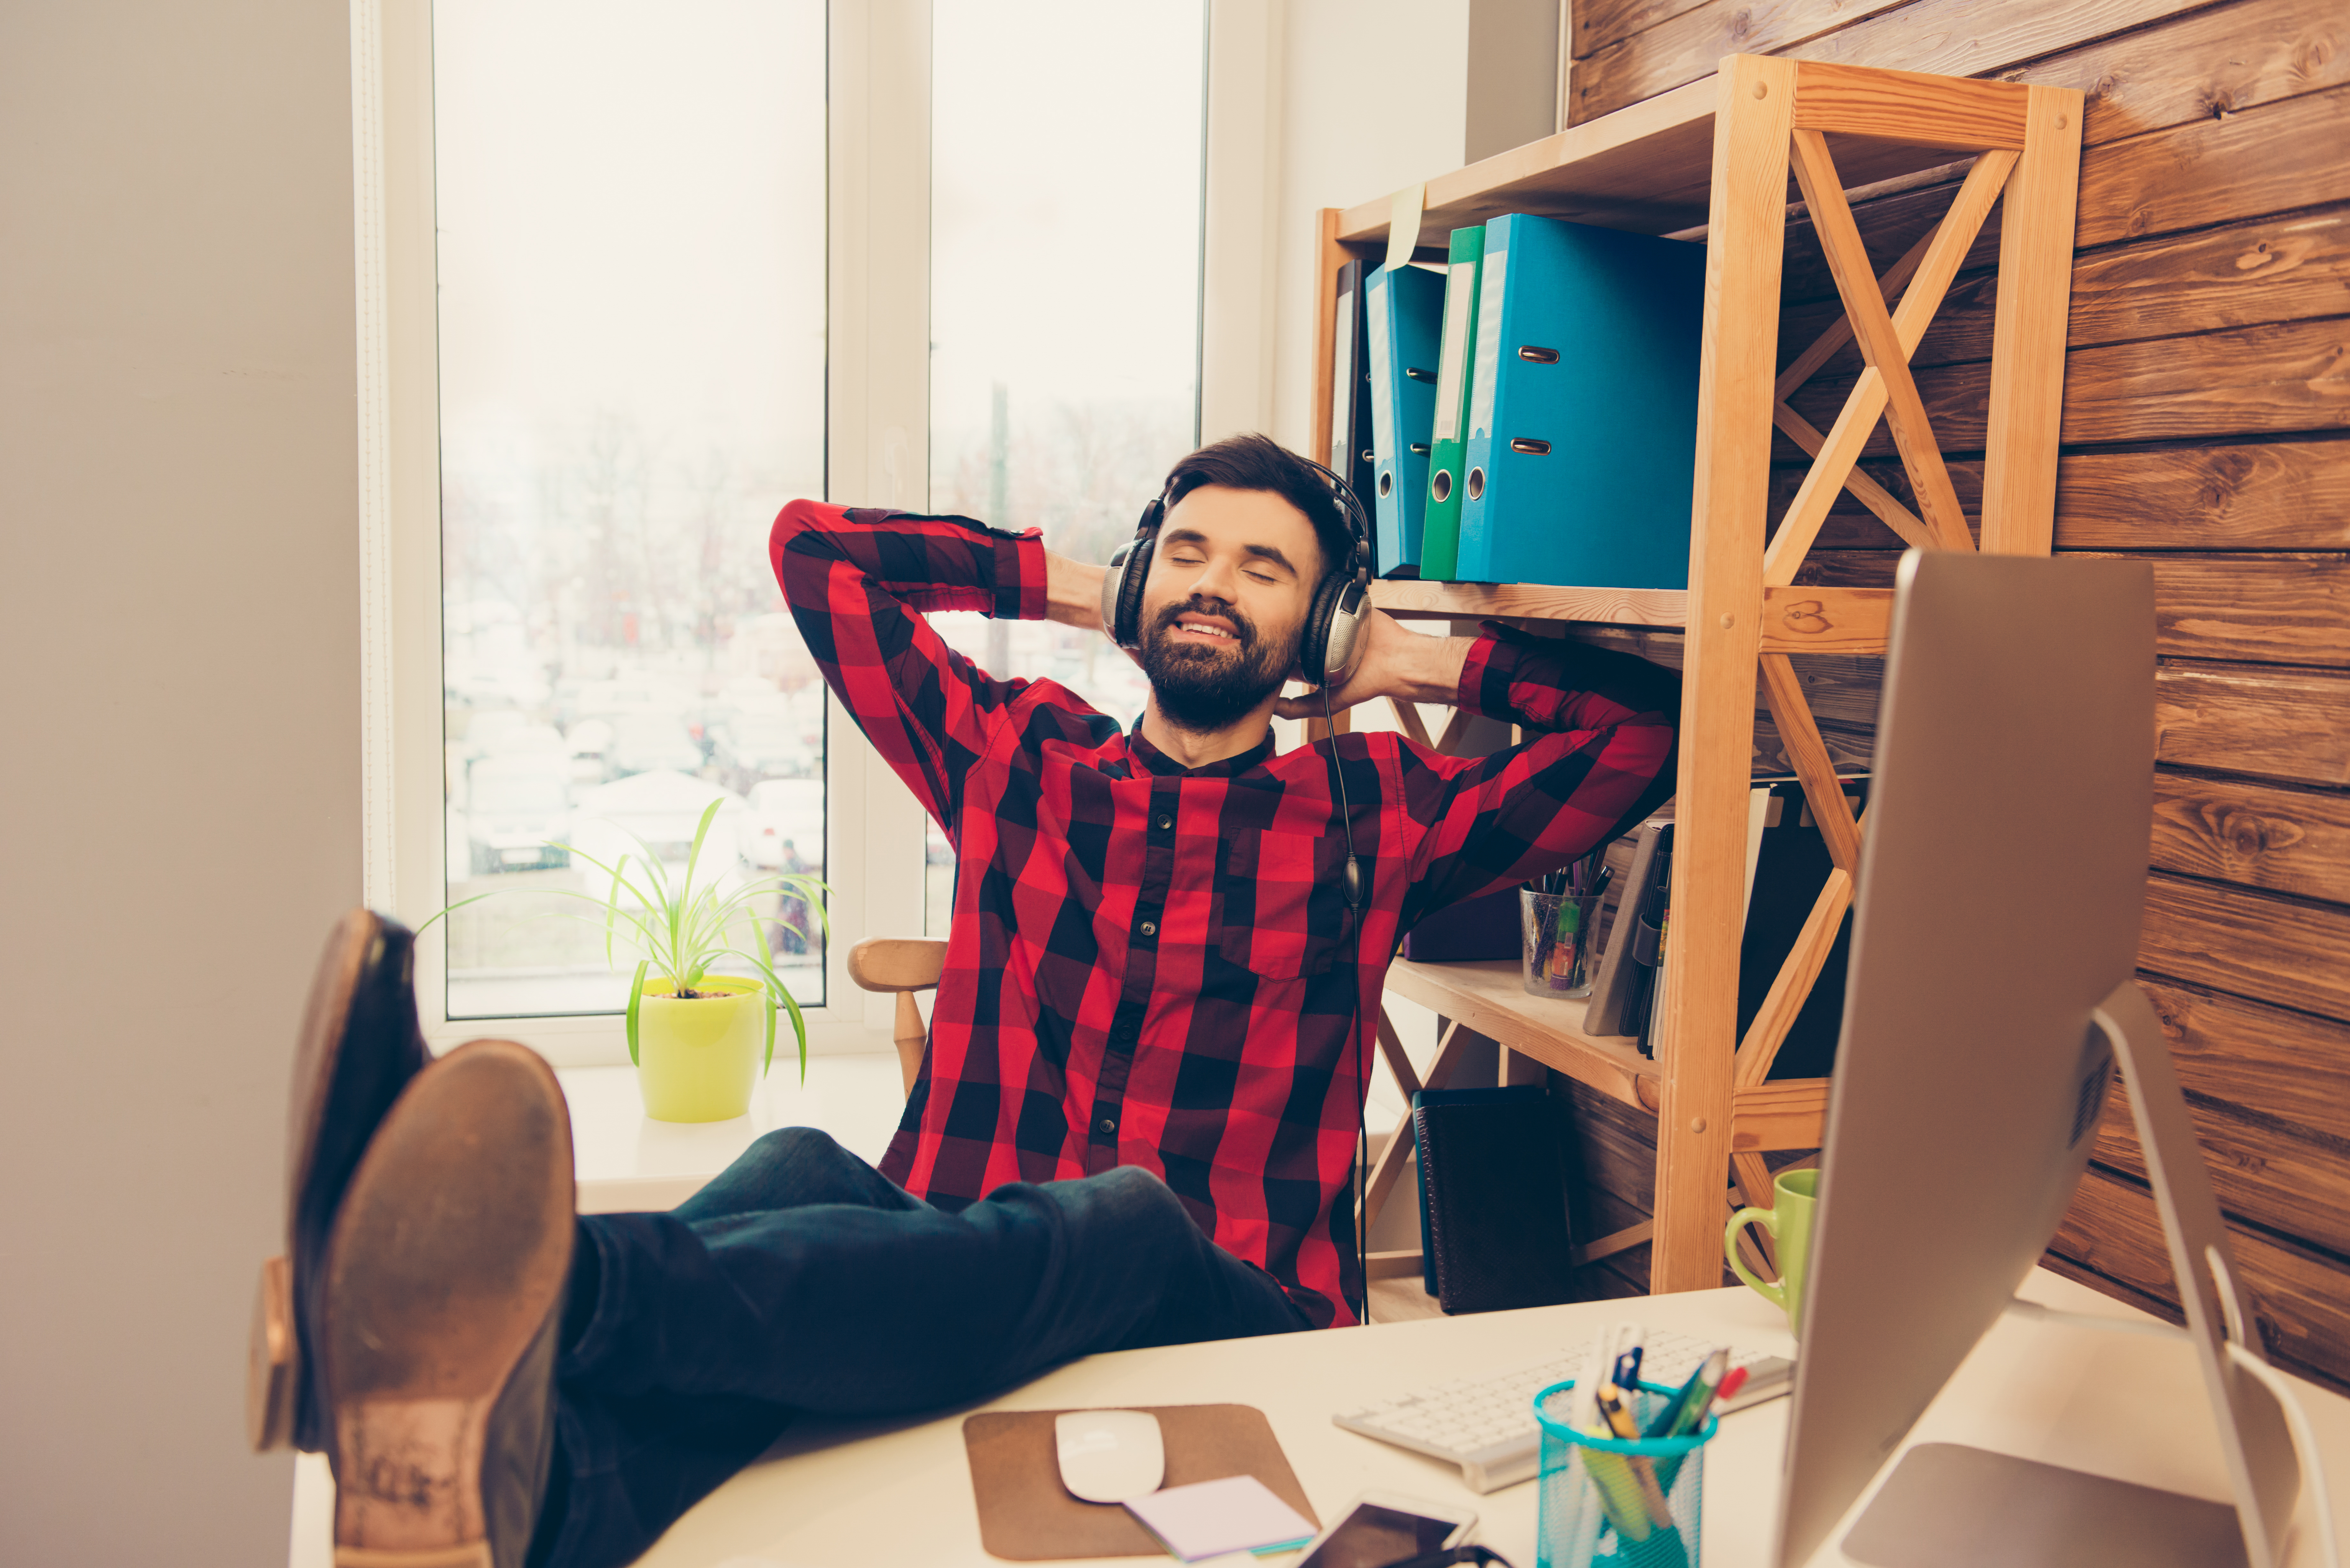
pixel 1492 1198
pixel 1350 456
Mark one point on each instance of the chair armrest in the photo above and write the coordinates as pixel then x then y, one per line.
pixel 894 963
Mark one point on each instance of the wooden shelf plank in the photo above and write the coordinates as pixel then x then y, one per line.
pixel 1490 997
pixel 1791 1113
pixel 1826 620
pixel 1798 619
pixel 1647 167
pixel 1409 600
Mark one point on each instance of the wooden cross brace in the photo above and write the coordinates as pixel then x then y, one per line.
pixel 1886 339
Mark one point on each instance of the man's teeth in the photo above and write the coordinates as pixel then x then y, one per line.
pixel 1206 630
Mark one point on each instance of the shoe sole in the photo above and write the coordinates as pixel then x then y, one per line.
pixel 444 1272
pixel 272 1391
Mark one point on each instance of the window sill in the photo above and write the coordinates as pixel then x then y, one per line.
pixel 625 1160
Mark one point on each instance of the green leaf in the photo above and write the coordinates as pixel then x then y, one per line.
pixel 799 1029
pixel 636 995
pixel 451 908
pixel 767 1003
pixel 694 856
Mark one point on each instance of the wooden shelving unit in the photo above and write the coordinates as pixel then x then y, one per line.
pixel 1731 152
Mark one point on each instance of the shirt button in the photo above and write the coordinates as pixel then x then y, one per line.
pixel 1166 822
pixel 1107 1123
pixel 1149 927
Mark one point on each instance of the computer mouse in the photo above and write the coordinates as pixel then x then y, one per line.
pixel 1109 1456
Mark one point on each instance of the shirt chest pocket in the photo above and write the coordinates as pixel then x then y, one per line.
pixel 1281 910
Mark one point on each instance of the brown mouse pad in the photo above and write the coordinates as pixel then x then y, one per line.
pixel 1027 1515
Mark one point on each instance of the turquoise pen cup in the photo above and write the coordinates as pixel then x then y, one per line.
pixel 1638 1502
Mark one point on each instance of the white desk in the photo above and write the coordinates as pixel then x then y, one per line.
pixel 832 1494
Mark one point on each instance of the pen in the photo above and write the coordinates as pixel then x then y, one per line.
pixel 1687 1412
pixel 1568 930
pixel 1620 1420
pixel 1689 1405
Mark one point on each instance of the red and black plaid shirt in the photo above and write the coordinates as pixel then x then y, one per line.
pixel 1154 965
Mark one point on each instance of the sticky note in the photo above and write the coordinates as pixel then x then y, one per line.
pixel 1208 1519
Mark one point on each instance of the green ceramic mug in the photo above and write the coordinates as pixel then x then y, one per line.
pixel 1789 1220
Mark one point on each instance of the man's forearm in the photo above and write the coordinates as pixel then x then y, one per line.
pixel 1431 673
pixel 1073 591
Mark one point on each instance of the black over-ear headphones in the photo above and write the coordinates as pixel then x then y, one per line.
pixel 1333 639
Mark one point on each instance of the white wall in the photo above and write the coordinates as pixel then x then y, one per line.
pixel 1374 98
pixel 1514 59
pixel 179 780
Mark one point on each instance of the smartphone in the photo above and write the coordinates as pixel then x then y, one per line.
pixel 1383 1527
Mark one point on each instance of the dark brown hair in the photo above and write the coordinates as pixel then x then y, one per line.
pixel 1253 461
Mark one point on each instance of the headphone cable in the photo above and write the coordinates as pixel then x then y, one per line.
pixel 1351 887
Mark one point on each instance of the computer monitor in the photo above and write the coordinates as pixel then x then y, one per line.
pixel 2001 887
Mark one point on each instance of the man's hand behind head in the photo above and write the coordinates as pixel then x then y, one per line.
pixel 1395 662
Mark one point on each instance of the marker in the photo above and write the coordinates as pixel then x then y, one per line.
pixel 1644 1470
pixel 1731 1386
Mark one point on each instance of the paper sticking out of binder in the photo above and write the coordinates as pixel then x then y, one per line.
pixel 1582 440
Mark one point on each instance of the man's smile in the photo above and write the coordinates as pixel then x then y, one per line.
pixel 1205 629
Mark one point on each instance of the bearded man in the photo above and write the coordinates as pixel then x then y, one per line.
pixel 1135 1121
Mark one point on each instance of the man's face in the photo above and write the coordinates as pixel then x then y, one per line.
pixel 1231 580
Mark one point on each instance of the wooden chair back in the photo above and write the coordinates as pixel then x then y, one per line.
pixel 903 965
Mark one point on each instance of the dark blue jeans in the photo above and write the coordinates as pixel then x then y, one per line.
pixel 804 1280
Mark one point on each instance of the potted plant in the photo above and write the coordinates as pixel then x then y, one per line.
pixel 699 1039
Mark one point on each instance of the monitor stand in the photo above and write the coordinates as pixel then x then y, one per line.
pixel 1946 1504
pixel 1949 1506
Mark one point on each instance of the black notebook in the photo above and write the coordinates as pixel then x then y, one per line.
pixel 1790 866
pixel 1492 1198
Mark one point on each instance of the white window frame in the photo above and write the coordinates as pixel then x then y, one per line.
pixel 876 444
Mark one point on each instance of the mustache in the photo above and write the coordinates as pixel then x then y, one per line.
pixel 1243 629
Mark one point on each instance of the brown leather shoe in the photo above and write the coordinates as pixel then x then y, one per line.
pixel 439 1308
pixel 358 1048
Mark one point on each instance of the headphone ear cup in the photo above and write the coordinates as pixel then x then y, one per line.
pixel 1122 592
pixel 1313 642
pixel 1342 635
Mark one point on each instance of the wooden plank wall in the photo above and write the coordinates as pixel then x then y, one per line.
pixel 2206 429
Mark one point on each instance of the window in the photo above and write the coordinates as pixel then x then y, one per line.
pixel 630 262
pixel 641 274
pixel 1066 184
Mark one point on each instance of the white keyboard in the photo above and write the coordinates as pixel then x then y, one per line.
pixel 1486 1425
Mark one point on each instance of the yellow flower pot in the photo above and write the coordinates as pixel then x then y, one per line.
pixel 696 1059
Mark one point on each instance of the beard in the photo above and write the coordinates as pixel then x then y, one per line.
pixel 1202 688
